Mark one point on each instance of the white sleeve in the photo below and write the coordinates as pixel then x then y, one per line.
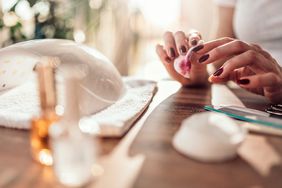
pixel 225 3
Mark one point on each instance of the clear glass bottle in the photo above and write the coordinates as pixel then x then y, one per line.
pixel 39 136
pixel 73 151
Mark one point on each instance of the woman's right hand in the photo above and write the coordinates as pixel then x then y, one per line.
pixel 179 44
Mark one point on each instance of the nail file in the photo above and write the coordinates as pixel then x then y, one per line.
pixel 248 115
pixel 247 110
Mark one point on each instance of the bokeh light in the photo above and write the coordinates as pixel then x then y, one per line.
pixel 159 13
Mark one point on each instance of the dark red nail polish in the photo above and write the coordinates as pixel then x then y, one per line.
pixel 218 72
pixel 197 48
pixel 167 59
pixel 243 81
pixel 194 42
pixel 183 50
pixel 204 58
pixel 172 53
pixel 34 68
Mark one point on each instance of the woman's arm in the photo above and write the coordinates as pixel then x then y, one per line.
pixel 222 26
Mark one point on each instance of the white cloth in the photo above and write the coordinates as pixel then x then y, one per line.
pixel 258 21
pixel 20 104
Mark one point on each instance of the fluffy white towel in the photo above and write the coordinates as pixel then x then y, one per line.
pixel 19 105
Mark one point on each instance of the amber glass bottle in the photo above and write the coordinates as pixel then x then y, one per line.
pixel 40 148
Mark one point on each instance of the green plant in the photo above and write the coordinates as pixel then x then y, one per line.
pixel 52 25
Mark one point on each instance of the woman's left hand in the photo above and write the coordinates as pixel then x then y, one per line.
pixel 248 65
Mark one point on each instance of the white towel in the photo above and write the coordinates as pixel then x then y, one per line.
pixel 19 105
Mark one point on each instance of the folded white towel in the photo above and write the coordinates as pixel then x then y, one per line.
pixel 19 105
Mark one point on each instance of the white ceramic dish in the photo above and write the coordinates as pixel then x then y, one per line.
pixel 209 137
pixel 101 87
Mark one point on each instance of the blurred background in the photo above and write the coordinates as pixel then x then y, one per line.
pixel 126 31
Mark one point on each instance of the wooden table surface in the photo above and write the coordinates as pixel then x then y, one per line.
pixel 258 163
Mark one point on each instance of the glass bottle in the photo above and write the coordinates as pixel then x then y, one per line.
pixel 39 137
pixel 73 151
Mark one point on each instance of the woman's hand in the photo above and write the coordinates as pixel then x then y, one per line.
pixel 179 44
pixel 248 65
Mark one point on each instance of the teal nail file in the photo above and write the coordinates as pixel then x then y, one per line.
pixel 248 115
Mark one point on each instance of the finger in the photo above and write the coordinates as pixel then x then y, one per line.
pixel 249 58
pixel 194 37
pixel 269 80
pixel 256 47
pixel 259 49
pixel 274 97
pixel 217 80
pixel 232 76
pixel 181 42
pixel 208 46
pixel 170 45
pixel 223 51
pixel 267 56
pixel 162 54
pixel 193 56
pixel 269 83
pixel 169 66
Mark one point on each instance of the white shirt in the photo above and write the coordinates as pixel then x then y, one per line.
pixel 258 21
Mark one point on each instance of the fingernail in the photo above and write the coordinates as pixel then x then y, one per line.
pixel 182 50
pixel 172 53
pixel 218 72
pixel 167 59
pixel 197 48
pixel 194 42
pixel 204 58
pixel 243 81
pixel 34 68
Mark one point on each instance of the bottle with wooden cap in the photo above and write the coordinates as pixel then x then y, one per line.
pixel 73 151
pixel 40 148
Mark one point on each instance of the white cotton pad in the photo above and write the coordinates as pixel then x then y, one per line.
pixel 182 65
pixel 209 137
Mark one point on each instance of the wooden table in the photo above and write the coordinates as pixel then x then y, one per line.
pixel 145 157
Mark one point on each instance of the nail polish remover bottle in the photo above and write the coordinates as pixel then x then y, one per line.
pixel 73 151
pixel 39 136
